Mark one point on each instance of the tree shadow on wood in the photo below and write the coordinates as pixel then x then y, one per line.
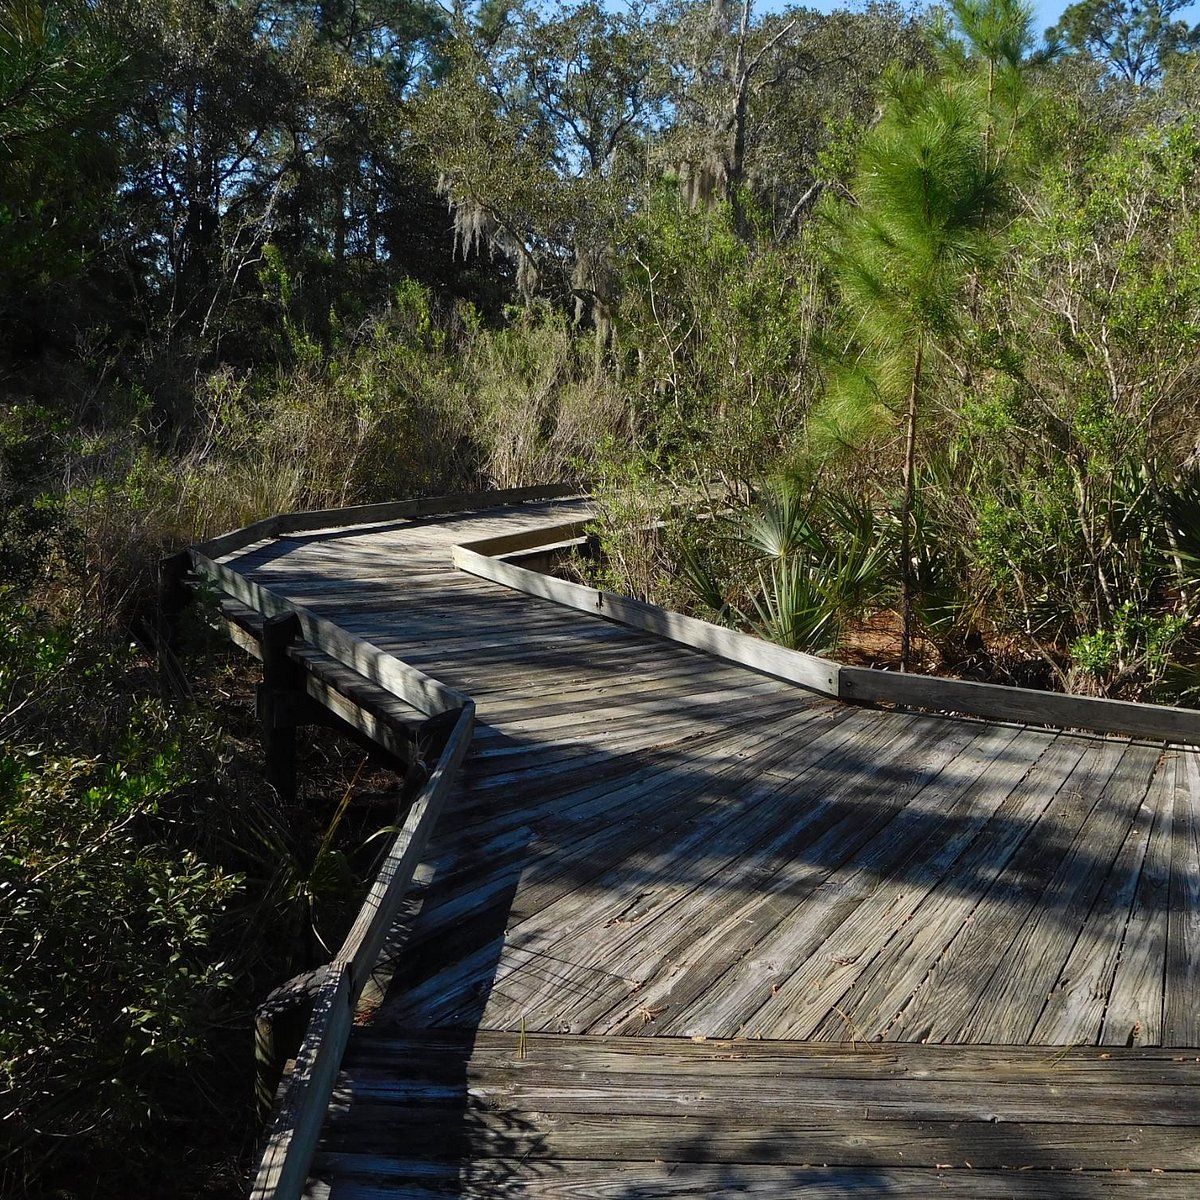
pixel 585 860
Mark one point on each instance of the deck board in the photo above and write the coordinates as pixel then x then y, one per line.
pixel 482 1114
pixel 648 845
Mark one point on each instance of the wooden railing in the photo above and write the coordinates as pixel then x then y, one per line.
pixel 367 514
pixel 296 1126
pixel 402 681
pixel 300 1112
pixel 337 988
pixel 486 558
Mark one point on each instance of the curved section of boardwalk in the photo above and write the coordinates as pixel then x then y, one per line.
pixel 651 850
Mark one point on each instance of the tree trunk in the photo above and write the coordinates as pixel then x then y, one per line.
pixel 907 582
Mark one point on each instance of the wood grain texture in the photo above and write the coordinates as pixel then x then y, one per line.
pixel 942 1001
pixel 866 686
pixel 489 1114
pixel 647 839
pixel 366 1177
pixel 1181 1011
pixel 1134 1012
pixel 1083 995
pixel 405 682
pixel 805 669
pixel 237 539
pixel 884 990
pixel 296 1124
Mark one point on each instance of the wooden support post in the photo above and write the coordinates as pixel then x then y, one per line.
pixel 281 702
pixel 280 1022
pixel 173 598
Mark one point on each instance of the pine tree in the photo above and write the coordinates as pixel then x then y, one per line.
pixel 924 193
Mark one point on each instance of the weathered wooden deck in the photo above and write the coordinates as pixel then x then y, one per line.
pixel 687 929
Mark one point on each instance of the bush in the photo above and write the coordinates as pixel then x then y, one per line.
pixel 108 978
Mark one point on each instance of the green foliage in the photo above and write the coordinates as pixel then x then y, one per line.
pixel 797 567
pixel 60 77
pixel 925 195
pixel 109 982
pixel 717 334
pixel 1136 643
pixel 826 564
pixel 1181 513
pixel 230 287
pixel 1092 407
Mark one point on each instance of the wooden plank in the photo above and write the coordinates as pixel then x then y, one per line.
pixel 440 1054
pixel 541 537
pixel 840 809
pixel 452 984
pixel 559 675
pixel 476 857
pixel 858 684
pixel 637 913
pixel 394 510
pixel 863 685
pixel 941 999
pixel 886 819
pixel 444 630
pixel 378 715
pixel 1009 1008
pixel 929 850
pixel 578 817
pixel 883 993
pixel 284 1166
pixel 407 683
pixel 840 871
pixel 805 669
pixel 653 703
pixel 1075 1008
pixel 364 514
pixel 601 750
pixel 745 1096
pixel 1134 1012
pixel 527 717
pixel 380 1177
pixel 527 638
pixel 367 935
pixel 504 753
pixel 237 539
pixel 859 1139
pixel 643 749
pixel 1181 1011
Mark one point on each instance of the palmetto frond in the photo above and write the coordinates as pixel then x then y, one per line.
pixel 793 608
pixel 1181 508
pixel 780 528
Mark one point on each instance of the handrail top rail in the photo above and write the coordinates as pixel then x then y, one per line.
pixel 369 514
pixel 483 557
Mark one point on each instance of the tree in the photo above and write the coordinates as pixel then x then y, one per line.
pixel 1134 39
pixel 1094 424
pixel 538 131
pixel 993 41
pixel 924 194
pixel 60 78
pixel 756 99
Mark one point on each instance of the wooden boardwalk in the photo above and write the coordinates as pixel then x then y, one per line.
pixel 687 929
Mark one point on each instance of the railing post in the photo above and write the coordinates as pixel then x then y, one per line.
pixel 280 703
